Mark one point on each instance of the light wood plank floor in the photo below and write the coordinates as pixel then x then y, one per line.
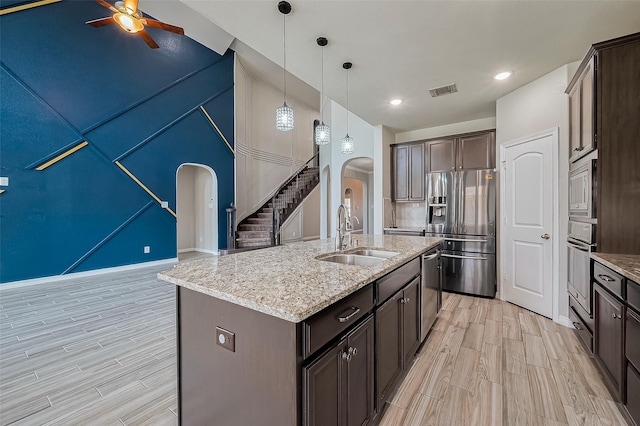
pixel 101 350
pixel 488 362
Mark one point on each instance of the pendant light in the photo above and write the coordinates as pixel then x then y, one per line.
pixel 284 114
pixel 323 132
pixel 347 141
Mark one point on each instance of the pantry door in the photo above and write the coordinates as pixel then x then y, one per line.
pixel 527 223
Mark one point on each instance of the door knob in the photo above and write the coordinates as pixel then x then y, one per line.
pixel 545 236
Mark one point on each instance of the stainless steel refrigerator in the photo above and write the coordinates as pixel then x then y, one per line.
pixel 461 208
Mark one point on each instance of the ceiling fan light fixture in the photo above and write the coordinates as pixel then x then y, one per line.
pixel 127 22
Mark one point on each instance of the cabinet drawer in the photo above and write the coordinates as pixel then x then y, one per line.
pixel 633 295
pixel 633 393
pixel 633 338
pixel 581 329
pixel 608 279
pixel 327 324
pixel 390 284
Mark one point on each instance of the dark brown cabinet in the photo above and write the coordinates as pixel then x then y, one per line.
pixel 397 337
pixel 604 101
pixel 466 152
pixel 582 139
pixel 609 314
pixel 441 155
pixel 408 172
pixel 339 384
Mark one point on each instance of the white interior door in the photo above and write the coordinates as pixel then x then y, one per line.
pixel 527 223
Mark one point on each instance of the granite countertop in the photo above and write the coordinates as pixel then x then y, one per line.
pixel 624 264
pixel 288 281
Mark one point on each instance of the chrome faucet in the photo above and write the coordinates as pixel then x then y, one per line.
pixel 343 229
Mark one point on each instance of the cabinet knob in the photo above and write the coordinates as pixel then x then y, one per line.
pixel 347 356
pixel 545 236
pixel 616 316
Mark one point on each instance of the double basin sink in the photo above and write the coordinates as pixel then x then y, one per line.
pixel 359 257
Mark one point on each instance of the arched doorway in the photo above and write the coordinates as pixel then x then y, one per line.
pixel 357 191
pixel 197 210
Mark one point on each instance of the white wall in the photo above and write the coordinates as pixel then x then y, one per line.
pixel 539 106
pixel 185 209
pixel 265 156
pixel 304 222
pixel 383 139
pixel 446 130
pixel 331 155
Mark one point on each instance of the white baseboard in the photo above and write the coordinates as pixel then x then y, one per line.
pixel 311 238
pixel 216 252
pixel 186 250
pixel 74 275
pixel 562 320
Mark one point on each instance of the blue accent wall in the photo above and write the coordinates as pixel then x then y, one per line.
pixel 62 83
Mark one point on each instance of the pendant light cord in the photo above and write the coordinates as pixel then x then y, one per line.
pixel 284 55
pixel 322 87
pixel 347 102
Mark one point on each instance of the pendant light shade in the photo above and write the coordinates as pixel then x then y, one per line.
pixel 284 113
pixel 323 132
pixel 347 141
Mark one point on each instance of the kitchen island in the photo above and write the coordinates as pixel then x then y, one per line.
pixel 254 326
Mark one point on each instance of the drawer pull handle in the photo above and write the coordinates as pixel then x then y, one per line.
pixel 404 300
pixel 577 325
pixel 606 278
pixel 616 316
pixel 343 318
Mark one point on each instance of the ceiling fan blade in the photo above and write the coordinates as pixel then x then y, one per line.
pixel 131 6
pixel 162 26
pixel 107 5
pixel 97 23
pixel 147 38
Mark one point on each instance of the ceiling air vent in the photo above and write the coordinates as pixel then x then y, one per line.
pixel 444 90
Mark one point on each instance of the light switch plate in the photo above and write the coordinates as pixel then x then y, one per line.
pixel 164 204
pixel 226 339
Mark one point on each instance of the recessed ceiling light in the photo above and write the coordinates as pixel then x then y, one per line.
pixel 503 75
pixel 395 101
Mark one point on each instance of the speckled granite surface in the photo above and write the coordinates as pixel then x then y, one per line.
pixel 288 281
pixel 624 264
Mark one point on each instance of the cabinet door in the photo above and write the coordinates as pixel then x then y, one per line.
pixel 477 152
pixel 401 173
pixel 575 129
pixel 608 316
pixel 324 394
pixel 416 172
pixel 586 110
pixel 441 155
pixel 410 321
pixel 360 403
pixel 388 346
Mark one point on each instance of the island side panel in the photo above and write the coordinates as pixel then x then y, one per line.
pixel 258 384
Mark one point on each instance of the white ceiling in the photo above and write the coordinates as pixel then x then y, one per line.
pixel 400 49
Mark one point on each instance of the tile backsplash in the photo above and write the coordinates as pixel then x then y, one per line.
pixel 410 214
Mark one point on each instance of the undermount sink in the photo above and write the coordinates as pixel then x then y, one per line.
pixel 374 253
pixel 352 259
pixel 359 257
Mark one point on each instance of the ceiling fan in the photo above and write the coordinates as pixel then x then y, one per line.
pixel 130 19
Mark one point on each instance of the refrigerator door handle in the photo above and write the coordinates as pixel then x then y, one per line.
pixel 455 256
pixel 463 240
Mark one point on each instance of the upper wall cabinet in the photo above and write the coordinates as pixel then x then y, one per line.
pixel 582 138
pixel 469 152
pixel 408 172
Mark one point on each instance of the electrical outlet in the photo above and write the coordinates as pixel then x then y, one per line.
pixel 294 234
pixel 4 181
pixel 147 249
pixel 416 205
pixel 226 339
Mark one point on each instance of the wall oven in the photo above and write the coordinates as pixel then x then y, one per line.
pixel 582 190
pixel 580 243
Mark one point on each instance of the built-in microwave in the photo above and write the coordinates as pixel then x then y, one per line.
pixel 582 190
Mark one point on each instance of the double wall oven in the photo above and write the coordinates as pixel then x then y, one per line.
pixel 581 239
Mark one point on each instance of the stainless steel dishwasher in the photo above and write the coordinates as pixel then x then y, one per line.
pixel 431 289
